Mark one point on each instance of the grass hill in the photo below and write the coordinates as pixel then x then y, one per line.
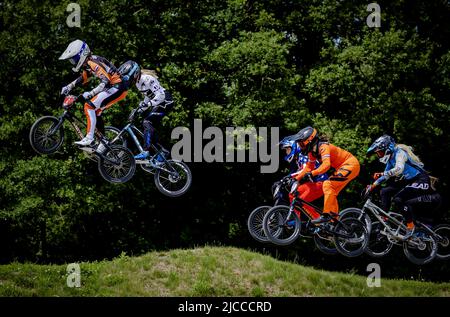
pixel 206 271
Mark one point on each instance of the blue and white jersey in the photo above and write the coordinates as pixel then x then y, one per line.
pixel 400 165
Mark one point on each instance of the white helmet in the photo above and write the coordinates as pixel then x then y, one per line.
pixel 76 52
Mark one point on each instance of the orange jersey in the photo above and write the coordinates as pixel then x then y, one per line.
pixel 102 69
pixel 328 156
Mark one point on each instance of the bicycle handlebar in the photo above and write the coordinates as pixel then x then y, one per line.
pixel 133 113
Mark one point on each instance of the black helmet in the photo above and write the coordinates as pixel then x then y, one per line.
pixel 307 138
pixel 130 72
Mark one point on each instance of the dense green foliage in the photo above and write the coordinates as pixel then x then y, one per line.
pixel 231 63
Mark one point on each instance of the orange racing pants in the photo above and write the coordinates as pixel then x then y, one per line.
pixel 348 171
pixel 309 192
pixel 100 102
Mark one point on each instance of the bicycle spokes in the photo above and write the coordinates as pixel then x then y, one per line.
pixel 46 135
pixel 116 164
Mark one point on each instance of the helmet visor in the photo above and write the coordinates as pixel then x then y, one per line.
pixel 75 59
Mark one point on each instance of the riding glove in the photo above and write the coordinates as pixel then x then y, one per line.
pixel 66 90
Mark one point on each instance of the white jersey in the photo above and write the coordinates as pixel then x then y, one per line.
pixel 151 88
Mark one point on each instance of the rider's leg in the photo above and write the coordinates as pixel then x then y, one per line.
pixel 149 134
pixel 100 124
pixel 422 206
pixel 332 186
pixel 310 192
pixel 91 119
pixel 114 97
pixel 340 178
pixel 419 186
pixel 95 106
pixel 387 193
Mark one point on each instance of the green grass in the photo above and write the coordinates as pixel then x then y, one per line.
pixel 207 271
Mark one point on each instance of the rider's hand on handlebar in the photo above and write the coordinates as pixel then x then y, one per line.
pixel 142 107
pixel 377 175
pixel 308 176
pixel 369 188
pixel 65 90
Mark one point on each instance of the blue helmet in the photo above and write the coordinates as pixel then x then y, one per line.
pixel 383 146
pixel 288 142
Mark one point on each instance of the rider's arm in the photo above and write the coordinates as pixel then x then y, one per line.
pixel 397 170
pixel 98 89
pixel 151 87
pixel 400 161
pixel 83 79
pixel 158 98
pixel 324 151
pixel 308 167
pixel 380 180
pixel 101 74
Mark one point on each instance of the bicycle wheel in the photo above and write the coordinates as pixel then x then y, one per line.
pixel 357 214
pixel 443 245
pixel 356 243
pixel 325 243
pixel 280 227
pixel 42 139
pixel 110 134
pixel 421 248
pixel 173 178
pixel 379 244
pixel 122 166
pixel 255 223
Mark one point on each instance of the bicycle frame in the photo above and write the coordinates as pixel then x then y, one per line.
pixel 381 216
pixel 72 119
pixel 132 130
pixel 75 122
pixel 298 203
pixel 129 129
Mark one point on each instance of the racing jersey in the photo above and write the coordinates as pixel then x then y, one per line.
pixel 151 88
pixel 400 165
pixel 328 156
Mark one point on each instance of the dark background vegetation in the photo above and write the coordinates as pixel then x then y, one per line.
pixel 231 63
